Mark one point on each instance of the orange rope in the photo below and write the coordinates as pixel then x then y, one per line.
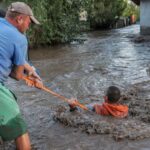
pixel 55 94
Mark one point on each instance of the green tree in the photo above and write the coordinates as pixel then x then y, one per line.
pixel 132 9
pixel 59 20
pixel 103 13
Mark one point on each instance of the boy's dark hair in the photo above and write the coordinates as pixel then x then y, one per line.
pixel 113 94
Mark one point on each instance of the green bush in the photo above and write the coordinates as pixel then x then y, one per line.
pixel 59 20
pixel 132 9
pixel 103 13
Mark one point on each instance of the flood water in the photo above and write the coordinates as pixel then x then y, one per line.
pixel 84 71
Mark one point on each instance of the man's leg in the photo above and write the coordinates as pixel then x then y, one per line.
pixel 23 142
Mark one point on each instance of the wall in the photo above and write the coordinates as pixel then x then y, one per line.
pixel 145 17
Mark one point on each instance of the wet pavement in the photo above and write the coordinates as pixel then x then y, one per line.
pixel 84 71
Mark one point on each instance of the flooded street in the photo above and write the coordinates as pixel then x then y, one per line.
pixel 84 71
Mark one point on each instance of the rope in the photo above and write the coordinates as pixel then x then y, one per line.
pixel 29 79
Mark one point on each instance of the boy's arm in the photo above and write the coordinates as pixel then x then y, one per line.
pixel 90 107
pixel 73 106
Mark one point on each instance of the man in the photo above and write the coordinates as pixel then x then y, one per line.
pixel 13 49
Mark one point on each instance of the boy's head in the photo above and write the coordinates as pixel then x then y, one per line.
pixel 113 94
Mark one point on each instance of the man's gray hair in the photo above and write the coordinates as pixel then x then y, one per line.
pixel 12 15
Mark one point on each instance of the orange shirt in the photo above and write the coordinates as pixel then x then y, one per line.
pixel 116 110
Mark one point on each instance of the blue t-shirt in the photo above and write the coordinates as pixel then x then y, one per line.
pixel 13 48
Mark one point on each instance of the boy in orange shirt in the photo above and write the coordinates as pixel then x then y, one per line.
pixel 110 105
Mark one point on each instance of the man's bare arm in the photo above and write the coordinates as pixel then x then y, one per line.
pixel 17 72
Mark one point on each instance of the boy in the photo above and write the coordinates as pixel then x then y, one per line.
pixel 109 107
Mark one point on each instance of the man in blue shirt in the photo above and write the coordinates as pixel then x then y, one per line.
pixel 13 49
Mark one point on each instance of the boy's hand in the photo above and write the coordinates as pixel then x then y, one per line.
pixel 72 102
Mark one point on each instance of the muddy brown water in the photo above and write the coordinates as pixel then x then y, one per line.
pixel 84 71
